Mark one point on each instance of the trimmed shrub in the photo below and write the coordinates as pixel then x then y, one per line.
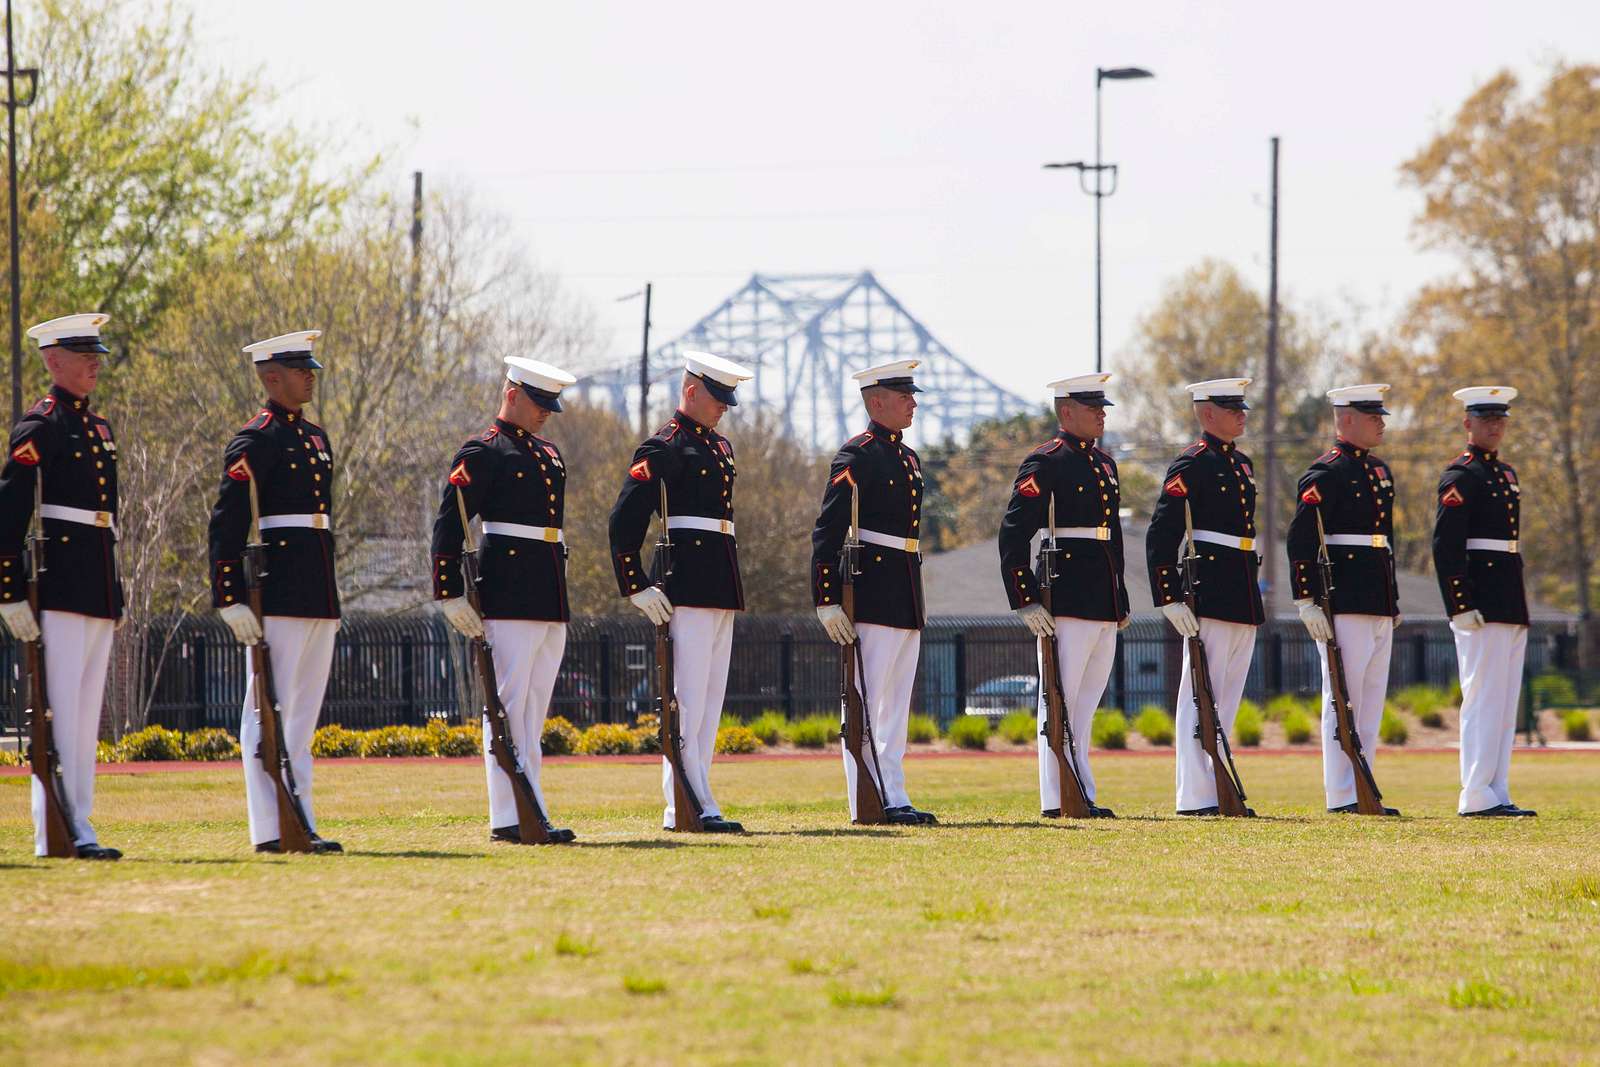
pixel 1019 727
pixel 393 741
pixel 1576 724
pixel 1155 725
pixel 1247 724
pixel 8 758
pixel 814 731
pixel 970 731
pixel 1110 729
pixel 151 743
pixel 922 730
pixel 1279 707
pixel 647 734
pixel 1454 689
pixel 210 744
pixel 1426 702
pixel 735 740
pixel 768 726
pixel 459 741
pixel 105 752
pixel 1298 727
pixel 1553 690
pixel 335 742
pixel 560 737
pixel 606 739
pixel 1392 728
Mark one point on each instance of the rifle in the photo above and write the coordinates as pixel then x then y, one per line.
pixel 870 801
pixel 60 828
pixel 533 828
pixel 294 828
pixel 1208 728
pixel 1074 799
pixel 686 809
pixel 1369 801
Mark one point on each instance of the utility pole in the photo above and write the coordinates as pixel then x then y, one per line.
pixel 12 103
pixel 415 294
pixel 1269 529
pixel 644 369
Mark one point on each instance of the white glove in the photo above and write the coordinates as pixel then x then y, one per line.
pixel 243 622
pixel 654 603
pixel 20 621
pixel 1398 619
pixel 1316 621
pixel 1181 618
pixel 1125 622
pixel 1467 621
pixel 457 611
pixel 837 624
pixel 1035 618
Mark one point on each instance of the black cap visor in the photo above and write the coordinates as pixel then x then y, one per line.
pixel 722 392
pixel 296 361
pixel 899 385
pixel 86 345
pixel 1370 407
pixel 543 397
pixel 1094 400
pixel 1489 411
pixel 1232 403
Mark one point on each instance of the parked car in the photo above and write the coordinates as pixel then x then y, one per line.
pixel 1001 696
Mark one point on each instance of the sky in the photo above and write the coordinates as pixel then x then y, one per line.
pixel 691 144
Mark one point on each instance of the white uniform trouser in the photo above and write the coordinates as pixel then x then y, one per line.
pixel 77 652
pixel 1086 649
pixel 1229 647
pixel 527 655
pixel 1366 642
pixel 302 653
pixel 702 642
pixel 1490 660
pixel 889 663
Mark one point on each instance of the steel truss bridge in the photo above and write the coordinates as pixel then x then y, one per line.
pixel 804 335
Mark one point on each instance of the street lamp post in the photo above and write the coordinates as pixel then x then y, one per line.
pixel 1099 190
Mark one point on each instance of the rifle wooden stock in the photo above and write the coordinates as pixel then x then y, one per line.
pixel 1213 739
pixel 533 828
pixel 687 813
pixel 858 739
pixel 1369 800
pixel 1074 798
pixel 686 810
pixel 60 829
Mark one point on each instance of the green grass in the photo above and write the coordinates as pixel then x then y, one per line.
pixel 1297 937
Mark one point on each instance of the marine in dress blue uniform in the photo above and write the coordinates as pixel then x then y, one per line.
pixel 885 472
pixel 515 481
pixel 701 596
pixel 66 450
pixel 290 460
pixel 1089 598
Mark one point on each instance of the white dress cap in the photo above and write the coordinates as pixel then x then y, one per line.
pixel 1084 388
pixel 79 333
pixel 1224 392
pixel 896 375
pixel 541 381
pixel 290 348
pixel 720 375
pixel 1486 399
pixel 1368 397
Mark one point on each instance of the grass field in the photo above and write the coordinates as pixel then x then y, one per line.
pixel 993 938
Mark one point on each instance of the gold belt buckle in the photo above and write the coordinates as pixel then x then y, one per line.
pixel 552 535
pixel 912 544
pixel 1102 533
pixel 1511 546
pixel 1380 541
pixel 319 522
pixel 102 519
pixel 727 526
pixel 1246 544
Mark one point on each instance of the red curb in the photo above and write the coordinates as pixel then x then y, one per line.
pixel 180 766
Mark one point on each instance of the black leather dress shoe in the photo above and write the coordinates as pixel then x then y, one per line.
pixel 1212 810
pixel 269 846
pixel 322 847
pixel 1355 809
pixel 511 834
pixel 901 817
pixel 562 836
pixel 716 824
pixel 1101 813
pixel 1050 813
pixel 926 818
pixel 1520 813
pixel 1499 811
pixel 98 852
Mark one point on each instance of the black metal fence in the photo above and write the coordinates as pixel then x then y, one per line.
pixel 408 669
